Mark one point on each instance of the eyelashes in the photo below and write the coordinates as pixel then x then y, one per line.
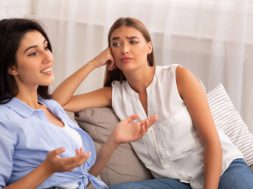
pixel 118 44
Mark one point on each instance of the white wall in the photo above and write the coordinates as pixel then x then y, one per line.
pixel 15 8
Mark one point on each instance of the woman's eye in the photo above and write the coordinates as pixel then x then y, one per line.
pixel 133 42
pixel 115 44
pixel 32 54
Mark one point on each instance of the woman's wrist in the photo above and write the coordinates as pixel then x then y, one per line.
pixel 91 65
pixel 112 140
pixel 46 169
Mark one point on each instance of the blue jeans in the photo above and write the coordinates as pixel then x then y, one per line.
pixel 159 183
pixel 237 176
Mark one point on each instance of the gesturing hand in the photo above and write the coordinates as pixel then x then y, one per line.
pixel 55 163
pixel 130 130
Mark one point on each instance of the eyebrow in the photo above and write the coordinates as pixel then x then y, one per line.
pixel 34 46
pixel 117 38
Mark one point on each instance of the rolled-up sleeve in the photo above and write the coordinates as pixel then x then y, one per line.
pixel 8 139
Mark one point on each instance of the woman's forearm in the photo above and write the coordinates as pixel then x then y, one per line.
pixel 103 156
pixel 127 130
pixel 64 92
pixel 33 179
pixel 67 88
pixel 212 163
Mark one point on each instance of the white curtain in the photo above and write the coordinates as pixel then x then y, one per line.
pixel 213 38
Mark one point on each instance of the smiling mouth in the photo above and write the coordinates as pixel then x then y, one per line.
pixel 47 71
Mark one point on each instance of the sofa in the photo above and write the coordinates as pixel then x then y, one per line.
pixel 124 165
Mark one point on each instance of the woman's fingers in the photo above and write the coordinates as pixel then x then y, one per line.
pixel 141 126
pixel 132 129
pixel 147 123
pixel 57 151
pixel 131 118
pixel 72 162
pixel 150 120
pixel 79 151
pixel 56 163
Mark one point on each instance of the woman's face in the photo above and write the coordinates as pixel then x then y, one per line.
pixel 34 61
pixel 129 48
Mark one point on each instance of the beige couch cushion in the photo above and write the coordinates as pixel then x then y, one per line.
pixel 124 166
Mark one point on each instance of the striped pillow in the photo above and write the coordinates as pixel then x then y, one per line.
pixel 227 118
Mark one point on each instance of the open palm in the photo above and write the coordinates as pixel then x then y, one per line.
pixel 130 130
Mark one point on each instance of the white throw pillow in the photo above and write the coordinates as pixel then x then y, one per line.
pixel 229 120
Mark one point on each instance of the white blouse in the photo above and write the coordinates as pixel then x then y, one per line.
pixel 74 135
pixel 171 147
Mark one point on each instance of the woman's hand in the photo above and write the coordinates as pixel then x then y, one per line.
pixel 104 58
pixel 125 131
pixel 55 163
pixel 130 130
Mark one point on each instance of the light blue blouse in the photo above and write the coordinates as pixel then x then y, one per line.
pixel 26 137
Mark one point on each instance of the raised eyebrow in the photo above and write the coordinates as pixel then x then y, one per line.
pixel 132 37
pixel 115 38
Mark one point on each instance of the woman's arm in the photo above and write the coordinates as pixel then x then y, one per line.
pixel 125 131
pixel 196 101
pixel 98 98
pixel 52 164
pixel 65 91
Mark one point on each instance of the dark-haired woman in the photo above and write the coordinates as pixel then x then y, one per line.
pixel 40 146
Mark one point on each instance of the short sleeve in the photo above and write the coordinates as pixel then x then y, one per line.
pixel 8 138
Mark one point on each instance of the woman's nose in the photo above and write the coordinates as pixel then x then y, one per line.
pixel 125 48
pixel 48 56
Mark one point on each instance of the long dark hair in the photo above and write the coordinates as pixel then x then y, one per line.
pixel 117 74
pixel 11 33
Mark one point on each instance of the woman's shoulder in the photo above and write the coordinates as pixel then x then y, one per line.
pixel 4 112
pixel 7 118
pixel 49 101
pixel 52 104
pixel 7 108
pixel 166 71
pixel 2 108
pixel 167 67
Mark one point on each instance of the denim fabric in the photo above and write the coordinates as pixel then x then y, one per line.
pixel 159 183
pixel 237 176
pixel 55 187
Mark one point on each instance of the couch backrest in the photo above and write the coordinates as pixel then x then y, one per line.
pixel 124 165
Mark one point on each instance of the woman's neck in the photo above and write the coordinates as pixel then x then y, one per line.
pixel 140 79
pixel 30 98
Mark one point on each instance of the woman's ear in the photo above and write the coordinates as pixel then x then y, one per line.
pixel 12 70
pixel 150 47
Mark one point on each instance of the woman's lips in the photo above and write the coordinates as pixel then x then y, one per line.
pixel 125 60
